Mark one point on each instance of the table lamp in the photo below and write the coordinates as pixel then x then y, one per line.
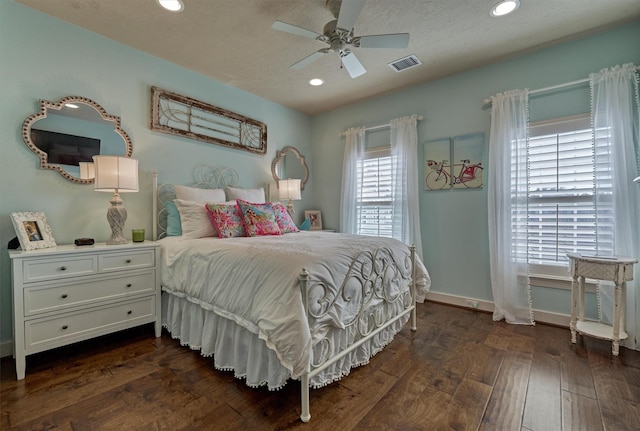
pixel 87 171
pixel 117 175
pixel 290 191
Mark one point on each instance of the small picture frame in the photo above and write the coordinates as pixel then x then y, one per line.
pixel 315 217
pixel 32 230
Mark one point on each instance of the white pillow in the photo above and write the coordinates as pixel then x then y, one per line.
pixel 194 219
pixel 255 196
pixel 195 194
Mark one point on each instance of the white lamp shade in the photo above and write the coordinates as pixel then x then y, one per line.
pixel 115 173
pixel 289 189
pixel 87 170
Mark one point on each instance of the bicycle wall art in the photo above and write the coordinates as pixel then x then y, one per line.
pixel 454 162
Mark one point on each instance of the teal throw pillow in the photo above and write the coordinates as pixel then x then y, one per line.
pixel 174 227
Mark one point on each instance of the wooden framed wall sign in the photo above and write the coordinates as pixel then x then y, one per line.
pixel 183 116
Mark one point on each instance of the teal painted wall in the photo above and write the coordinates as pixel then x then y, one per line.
pixel 118 78
pixel 454 223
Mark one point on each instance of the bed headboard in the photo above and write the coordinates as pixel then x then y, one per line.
pixel 205 177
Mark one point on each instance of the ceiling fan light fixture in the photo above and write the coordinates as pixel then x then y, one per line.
pixel 338 34
pixel 504 7
pixel 316 82
pixel 172 5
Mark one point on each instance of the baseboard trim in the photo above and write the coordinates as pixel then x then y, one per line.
pixel 478 304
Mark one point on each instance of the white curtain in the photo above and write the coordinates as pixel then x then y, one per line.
pixel 353 154
pixel 508 207
pixel 404 173
pixel 615 117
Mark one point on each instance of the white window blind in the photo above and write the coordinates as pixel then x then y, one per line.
pixel 375 206
pixel 561 214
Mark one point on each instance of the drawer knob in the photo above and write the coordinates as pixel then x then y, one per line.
pixel 65 327
pixel 128 261
pixel 63 296
pixel 63 268
pixel 129 284
pixel 129 312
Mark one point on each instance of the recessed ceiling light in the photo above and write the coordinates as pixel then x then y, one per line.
pixel 71 105
pixel 171 5
pixel 504 7
pixel 316 81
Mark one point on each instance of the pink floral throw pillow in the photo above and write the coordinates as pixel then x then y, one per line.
pixel 259 219
pixel 227 219
pixel 285 223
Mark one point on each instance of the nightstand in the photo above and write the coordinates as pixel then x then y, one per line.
pixel 70 293
pixel 619 270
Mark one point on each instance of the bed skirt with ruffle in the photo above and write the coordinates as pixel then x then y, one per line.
pixel 235 348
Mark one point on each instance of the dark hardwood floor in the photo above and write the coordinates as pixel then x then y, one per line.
pixel 459 371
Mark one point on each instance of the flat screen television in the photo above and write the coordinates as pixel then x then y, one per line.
pixel 65 149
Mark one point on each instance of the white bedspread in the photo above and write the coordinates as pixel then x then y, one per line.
pixel 254 281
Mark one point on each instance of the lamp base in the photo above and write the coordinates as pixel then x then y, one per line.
pixel 290 209
pixel 116 216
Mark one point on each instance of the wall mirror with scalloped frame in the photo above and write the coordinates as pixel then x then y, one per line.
pixel 68 133
pixel 289 163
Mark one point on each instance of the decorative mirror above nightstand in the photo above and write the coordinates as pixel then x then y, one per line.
pixel 289 163
pixel 68 133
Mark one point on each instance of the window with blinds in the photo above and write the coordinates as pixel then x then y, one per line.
pixel 375 206
pixel 561 215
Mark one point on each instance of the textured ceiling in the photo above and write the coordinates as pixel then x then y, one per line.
pixel 233 42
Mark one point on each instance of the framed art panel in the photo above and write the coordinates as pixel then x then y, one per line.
pixel 466 166
pixel 32 230
pixel 437 171
pixel 315 217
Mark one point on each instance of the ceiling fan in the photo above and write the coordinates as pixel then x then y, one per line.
pixel 338 34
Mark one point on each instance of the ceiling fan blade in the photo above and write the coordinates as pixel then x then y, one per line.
pixel 349 13
pixel 309 59
pixel 353 65
pixel 398 40
pixel 293 29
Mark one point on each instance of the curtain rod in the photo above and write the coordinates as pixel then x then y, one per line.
pixel 381 126
pixel 486 103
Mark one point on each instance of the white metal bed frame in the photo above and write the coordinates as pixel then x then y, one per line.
pixel 369 268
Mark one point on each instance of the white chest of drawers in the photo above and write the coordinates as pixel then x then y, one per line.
pixel 66 294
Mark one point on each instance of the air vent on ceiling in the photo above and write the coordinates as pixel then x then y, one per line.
pixel 405 63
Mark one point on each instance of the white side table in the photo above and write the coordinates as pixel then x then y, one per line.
pixel 616 269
